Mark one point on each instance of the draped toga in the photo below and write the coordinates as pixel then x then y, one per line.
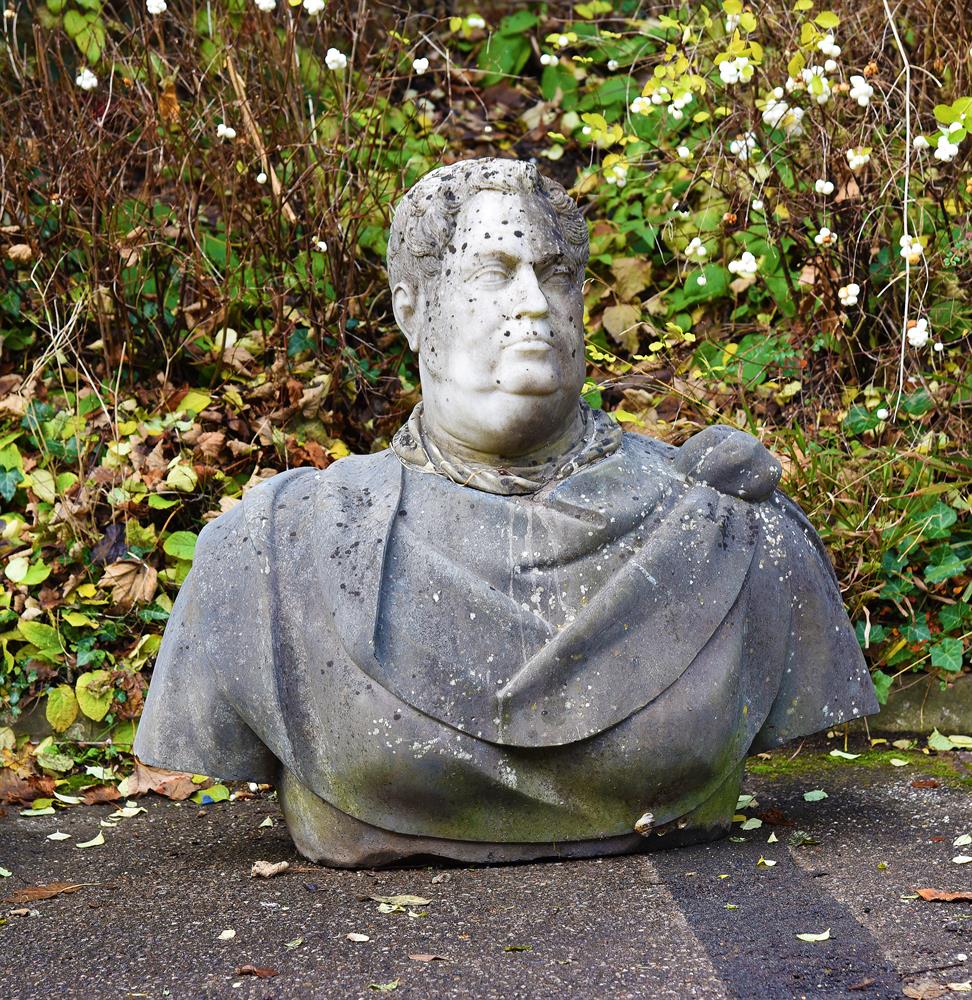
pixel 414 656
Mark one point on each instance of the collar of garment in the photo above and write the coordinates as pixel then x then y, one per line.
pixel 599 436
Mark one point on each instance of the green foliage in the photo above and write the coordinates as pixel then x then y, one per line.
pixel 200 311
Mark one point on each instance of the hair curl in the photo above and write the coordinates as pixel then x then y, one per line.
pixel 425 218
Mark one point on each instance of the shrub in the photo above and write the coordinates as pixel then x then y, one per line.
pixel 194 206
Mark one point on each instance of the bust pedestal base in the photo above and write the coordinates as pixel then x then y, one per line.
pixel 330 837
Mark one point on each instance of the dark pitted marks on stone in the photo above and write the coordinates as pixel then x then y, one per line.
pixel 518 233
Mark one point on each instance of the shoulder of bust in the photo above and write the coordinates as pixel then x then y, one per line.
pixel 283 499
pixel 730 461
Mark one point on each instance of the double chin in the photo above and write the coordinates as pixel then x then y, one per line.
pixel 504 424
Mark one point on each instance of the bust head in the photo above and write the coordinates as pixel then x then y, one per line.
pixel 486 264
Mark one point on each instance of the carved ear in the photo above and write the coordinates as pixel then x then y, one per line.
pixel 406 306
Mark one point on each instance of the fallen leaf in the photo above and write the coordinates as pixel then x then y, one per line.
pixel 942 896
pixel 518 947
pixel 227 935
pixel 428 958
pixel 16 788
pixel 815 796
pixel 268 822
pixel 295 943
pixel 620 322
pixel 632 276
pixel 925 991
pixel 42 811
pixel 384 987
pixel 130 581
pixel 127 812
pixel 962 859
pixel 33 893
pixel 261 972
pixel 267 869
pixel 823 936
pixel 20 253
pixel 175 785
pixel 844 755
pixel 772 839
pixel 57 835
pixel 963 840
pixel 898 762
pixel 924 783
pixel 5 873
pixel 358 938
pixel 400 900
pixel 765 862
pixel 862 985
pixel 939 742
pixel 965 987
pixel 775 817
pixel 96 841
pixel 752 824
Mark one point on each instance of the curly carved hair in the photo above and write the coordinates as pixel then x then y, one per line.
pixel 425 218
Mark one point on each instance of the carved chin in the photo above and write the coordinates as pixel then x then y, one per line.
pixel 530 378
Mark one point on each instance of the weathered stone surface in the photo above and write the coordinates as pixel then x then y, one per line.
pixel 518 632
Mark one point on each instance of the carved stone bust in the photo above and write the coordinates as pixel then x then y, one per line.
pixel 518 632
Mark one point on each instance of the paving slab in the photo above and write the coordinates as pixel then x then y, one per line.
pixel 701 922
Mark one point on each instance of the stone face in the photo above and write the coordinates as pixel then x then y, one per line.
pixel 518 632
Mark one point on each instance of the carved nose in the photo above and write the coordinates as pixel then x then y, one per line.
pixel 530 303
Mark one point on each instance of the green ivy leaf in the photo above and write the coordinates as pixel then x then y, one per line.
pixel 882 685
pixel 181 545
pixel 9 478
pixel 946 568
pixel 946 654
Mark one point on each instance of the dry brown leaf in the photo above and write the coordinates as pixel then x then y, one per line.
pixel 808 276
pixel 101 793
pixel 848 190
pixel 174 785
pixel 19 788
pixel 33 893
pixel 20 253
pixel 740 284
pixel 130 581
pixel 925 991
pixel 943 896
pixel 632 275
pixel 210 443
pixel 267 869
pixel 621 322
pixel 169 105
pixel 261 972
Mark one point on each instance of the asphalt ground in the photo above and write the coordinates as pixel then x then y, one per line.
pixel 706 922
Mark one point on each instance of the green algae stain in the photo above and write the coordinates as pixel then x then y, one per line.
pixel 943 767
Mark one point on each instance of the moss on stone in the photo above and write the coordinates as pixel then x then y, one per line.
pixel 943 767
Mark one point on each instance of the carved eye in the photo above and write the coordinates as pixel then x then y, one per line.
pixel 559 277
pixel 494 274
